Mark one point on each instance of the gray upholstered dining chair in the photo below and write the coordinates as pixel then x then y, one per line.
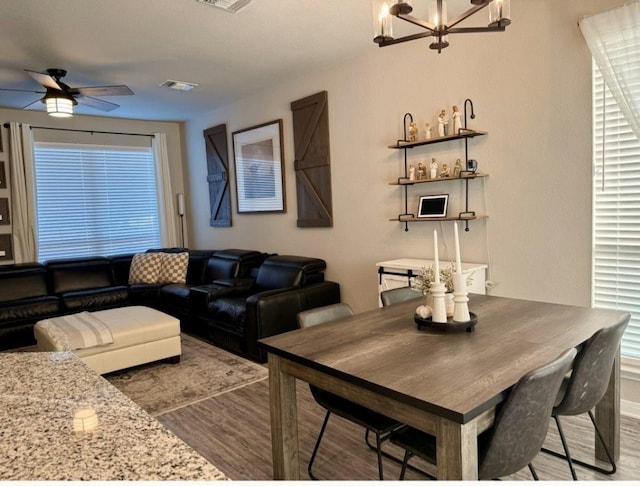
pixel 584 388
pixel 401 294
pixel 379 424
pixel 519 429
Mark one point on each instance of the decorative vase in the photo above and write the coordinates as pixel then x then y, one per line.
pixel 448 302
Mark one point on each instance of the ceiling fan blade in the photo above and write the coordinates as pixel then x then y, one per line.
pixel 32 103
pixel 44 79
pixel 96 103
pixel 22 90
pixel 119 90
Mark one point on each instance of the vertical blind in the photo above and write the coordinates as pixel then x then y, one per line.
pixel 616 211
pixel 94 200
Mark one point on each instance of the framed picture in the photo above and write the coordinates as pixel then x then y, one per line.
pixel 258 156
pixel 6 250
pixel 4 210
pixel 434 206
pixel 3 177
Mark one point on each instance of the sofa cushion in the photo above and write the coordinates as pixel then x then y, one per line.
pixel 283 271
pixel 29 309
pixel 145 268
pixel 79 273
pixel 22 281
pixel 94 299
pixel 174 268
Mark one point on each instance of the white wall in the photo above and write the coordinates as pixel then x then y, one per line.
pixel 531 87
pixel 532 92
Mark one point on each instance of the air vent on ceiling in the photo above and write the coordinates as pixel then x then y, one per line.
pixel 178 85
pixel 228 5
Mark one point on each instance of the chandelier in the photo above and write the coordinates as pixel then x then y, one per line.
pixel 437 26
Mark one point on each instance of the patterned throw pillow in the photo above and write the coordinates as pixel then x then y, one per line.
pixel 174 268
pixel 145 268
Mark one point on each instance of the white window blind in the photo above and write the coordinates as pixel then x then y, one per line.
pixel 616 211
pixel 95 200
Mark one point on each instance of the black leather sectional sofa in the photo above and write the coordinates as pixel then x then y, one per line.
pixel 231 298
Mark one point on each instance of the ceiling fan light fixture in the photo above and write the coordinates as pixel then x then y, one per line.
pixel 59 106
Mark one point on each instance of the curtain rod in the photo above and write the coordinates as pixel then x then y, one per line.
pixel 6 125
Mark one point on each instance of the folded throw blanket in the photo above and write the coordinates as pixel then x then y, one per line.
pixel 76 331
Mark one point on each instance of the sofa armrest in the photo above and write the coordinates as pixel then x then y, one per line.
pixel 274 311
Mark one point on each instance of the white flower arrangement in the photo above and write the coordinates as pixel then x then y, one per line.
pixel 422 281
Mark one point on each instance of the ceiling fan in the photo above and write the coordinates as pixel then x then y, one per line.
pixel 59 98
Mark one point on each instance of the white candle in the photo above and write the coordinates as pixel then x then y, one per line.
pixel 435 257
pixel 457 243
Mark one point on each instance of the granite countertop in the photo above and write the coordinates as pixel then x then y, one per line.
pixel 40 394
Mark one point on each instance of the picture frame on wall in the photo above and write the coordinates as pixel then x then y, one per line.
pixel 258 156
pixel 3 176
pixel 433 206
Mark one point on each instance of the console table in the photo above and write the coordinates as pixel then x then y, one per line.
pixel 40 396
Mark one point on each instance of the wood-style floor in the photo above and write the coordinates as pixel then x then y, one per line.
pixel 232 431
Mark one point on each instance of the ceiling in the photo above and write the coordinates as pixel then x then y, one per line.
pixel 142 43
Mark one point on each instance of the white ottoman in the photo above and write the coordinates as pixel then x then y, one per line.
pixel 140 335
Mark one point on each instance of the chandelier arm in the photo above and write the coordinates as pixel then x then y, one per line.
pixel 467 30
pixel 468 13
pixel 407 38
pixel 416 21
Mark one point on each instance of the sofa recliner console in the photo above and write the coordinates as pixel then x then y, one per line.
pixel 231 298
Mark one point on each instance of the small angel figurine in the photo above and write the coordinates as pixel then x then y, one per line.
pixel 443 123
pixel 444 171
pixel 433 169
pixel 457 168
pixel 427 131
pixel 457 124
pixel 413 132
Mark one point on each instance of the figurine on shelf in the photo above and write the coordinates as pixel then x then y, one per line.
pixel 457 124
pixel 433 169
pixel 443 123
pixel 413 132
pixel 444 171
pixel 457 168
pixel 412 172
pixel 422 171
pixel 427 131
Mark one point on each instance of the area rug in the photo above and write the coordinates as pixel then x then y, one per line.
pixel 204 371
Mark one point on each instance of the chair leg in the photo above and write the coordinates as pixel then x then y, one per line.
pixel 533 472
pixel 585 464
pixel 405 460
pixel 566 448
pixel 391 457
pixel 315 449
pixel 606 450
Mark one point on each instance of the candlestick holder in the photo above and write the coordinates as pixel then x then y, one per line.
pixel 439 312
pixel 460 299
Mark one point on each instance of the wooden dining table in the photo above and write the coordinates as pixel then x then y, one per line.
pixel 446 383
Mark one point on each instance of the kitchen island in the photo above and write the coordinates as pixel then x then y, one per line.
pixel 49 430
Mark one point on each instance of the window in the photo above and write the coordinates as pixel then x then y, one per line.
pixel 95 200
pixel 616 213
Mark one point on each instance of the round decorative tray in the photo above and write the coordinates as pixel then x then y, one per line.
pixel 450 325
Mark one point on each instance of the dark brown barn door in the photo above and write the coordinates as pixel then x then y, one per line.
pixel 312 162
pixel 215 139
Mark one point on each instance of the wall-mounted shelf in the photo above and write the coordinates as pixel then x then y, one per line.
pixel 403 181
pixel 463 134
